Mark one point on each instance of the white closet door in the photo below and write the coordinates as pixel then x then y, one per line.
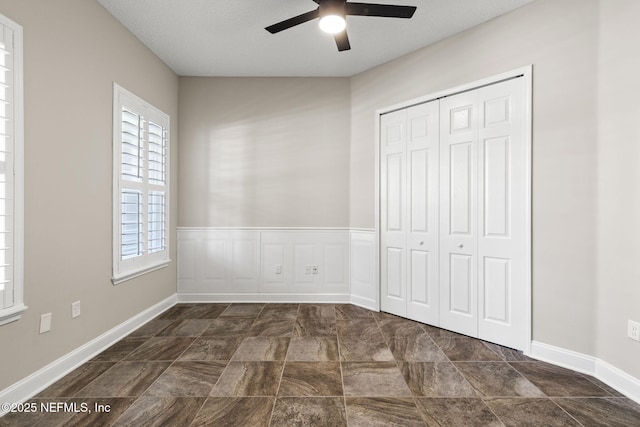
pixel 453 221
pixel 501 214
pixel 393 195
pixel 458 213
pixel 422 212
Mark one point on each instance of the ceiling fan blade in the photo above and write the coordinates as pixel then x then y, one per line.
pixel 342 41
pixel 384 10
pixel 292 22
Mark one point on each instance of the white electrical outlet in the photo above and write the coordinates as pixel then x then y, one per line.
pixel 633 330
pixel 45 322
pixel 307 269
pixel 75 309
pixel 315 269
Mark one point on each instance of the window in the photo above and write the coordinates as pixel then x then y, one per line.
pixel 141 186
pixel 11 172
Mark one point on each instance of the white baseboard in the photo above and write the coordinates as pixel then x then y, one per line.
pixel 618 379
pixel 43 378
pixel 608 374
pixel 562 357
pixel 364 302
pixel 264 297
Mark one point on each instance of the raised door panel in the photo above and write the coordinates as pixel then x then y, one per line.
pixel 394 186
pixel 395 273
pixel 419 162
pixel 496 187
pixel 460 215
pixel 461 283
pixel 496 295
pixel 419 277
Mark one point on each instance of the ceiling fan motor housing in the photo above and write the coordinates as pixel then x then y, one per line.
pixel 332 7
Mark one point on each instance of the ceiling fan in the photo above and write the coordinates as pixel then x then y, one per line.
pixel 333 13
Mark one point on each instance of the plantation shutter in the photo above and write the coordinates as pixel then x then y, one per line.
pixel 157 208
pixel 7 179
pixel 132 170
pixel 141 219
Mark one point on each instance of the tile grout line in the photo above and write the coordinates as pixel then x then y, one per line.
pixel 284 364
pixel 414 397
pixel 565 411
pixel 206 398
pixel 344 392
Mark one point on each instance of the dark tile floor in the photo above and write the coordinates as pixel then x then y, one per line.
pixel 318 365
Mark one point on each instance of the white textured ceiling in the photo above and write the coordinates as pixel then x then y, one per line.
pixel 227 37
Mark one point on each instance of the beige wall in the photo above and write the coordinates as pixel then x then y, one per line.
pixel 585 280
pixel 74 51
pixel 264 152
pixel 618 183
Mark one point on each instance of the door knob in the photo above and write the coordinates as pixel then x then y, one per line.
pixel 461 246
pixel 421 242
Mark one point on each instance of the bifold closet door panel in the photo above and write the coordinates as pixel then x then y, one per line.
pixel 393 198
pixel 409 145
pixel 422 157
pixel 501 214
pixel 458 213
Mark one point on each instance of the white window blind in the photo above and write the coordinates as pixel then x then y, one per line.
pixel 141 186
pixel 11 174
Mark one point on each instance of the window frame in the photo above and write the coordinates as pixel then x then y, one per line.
pixel 135 266
pixel 14 312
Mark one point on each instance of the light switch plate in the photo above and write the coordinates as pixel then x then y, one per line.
pixel 45 322
pixel 633 330
pixel 75 309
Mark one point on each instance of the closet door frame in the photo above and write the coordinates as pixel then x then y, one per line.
pixel 525 73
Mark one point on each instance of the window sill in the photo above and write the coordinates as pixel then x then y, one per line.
pixel 12 314
pixel 116 280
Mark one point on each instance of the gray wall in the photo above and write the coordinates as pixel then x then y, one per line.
pixel 618 189
pixel 74 51
pixel 585 156
pixel 264 152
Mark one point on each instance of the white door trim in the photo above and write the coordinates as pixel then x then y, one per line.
pixel 525 73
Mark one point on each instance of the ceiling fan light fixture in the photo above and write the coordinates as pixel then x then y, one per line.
pixel 332 24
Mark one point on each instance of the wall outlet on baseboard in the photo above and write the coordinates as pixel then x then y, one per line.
pixel 633 330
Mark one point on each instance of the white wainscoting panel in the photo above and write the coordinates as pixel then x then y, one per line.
pixel 225 261
pixel 364 267
pixel 303 262
pixel 303 265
